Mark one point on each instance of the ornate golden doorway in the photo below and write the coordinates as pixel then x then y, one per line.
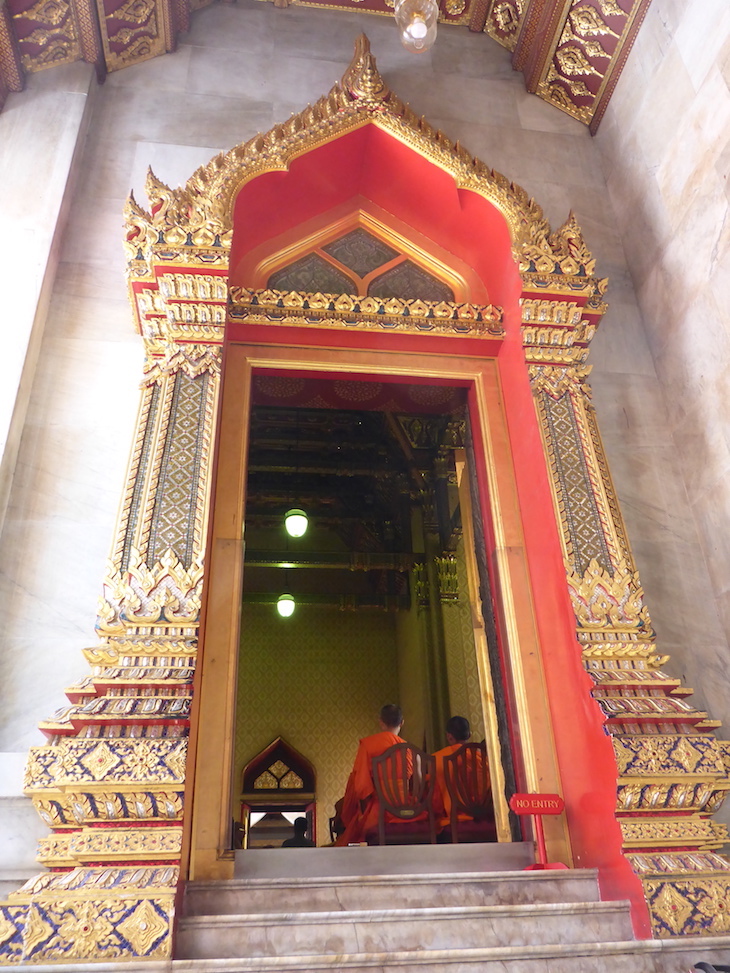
pixel 217 698
pixel 640 770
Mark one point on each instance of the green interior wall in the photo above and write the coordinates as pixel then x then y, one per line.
pixel 317 679
pixel 465 698
pixel 411 669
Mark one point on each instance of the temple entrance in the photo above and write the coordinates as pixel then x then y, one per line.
pixel 385 579
pixel 440 230
pixel 503 579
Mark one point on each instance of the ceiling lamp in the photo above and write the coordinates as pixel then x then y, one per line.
pixel 417 21
pixel 296 522
pixel 286 605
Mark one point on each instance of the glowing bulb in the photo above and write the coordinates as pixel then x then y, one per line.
pixel 296 522
pixel 417 28
pixel 417 21
pixel 286 605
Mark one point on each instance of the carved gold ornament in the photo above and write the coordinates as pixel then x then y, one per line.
pixel 585 22
pixel 679 831
pixel 143 596
pixel 602 599
pixel 362 313
pixel 195 221
pixel 572 60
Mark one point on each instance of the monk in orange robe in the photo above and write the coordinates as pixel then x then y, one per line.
pixel 458 732
pixel 360 805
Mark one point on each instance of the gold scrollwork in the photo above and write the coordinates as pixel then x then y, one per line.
pixel 142 596
pixel 585 21
pixel 601 599
pixel 664 755
pixel 693 831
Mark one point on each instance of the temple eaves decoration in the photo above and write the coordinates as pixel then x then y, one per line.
pixel 110 782
pixel 571 52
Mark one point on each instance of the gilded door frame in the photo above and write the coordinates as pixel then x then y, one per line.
pixel 214 718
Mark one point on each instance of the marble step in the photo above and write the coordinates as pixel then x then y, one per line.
pixel 345 893
pixel 494 856
pixel 647 956
pixel 401 930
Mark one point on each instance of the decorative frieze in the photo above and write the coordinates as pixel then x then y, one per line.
pixel 100 844
pixel 296 309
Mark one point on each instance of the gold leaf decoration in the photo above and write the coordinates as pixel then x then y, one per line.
pixel 672 907
pixel 7 929
pixel 585 21
pixel 572 60
pixel 49 12
pixel 134 11
pixel 601 599
pixel 611 8
pixel 99 761
pixel 36 931
pixel 568 240
pixel 87 928
pixel 143 927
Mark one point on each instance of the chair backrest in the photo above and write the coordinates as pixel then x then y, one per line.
pixel 404 777
pixel 466 774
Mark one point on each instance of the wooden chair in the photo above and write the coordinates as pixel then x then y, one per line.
pixel 466 774
pixel 404 779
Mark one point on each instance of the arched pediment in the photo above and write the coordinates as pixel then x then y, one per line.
pixel 201 214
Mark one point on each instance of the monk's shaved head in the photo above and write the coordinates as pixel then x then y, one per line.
pixel 458 727
pixel 391 716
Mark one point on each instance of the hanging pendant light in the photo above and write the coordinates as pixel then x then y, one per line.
pixel 286 605
pixel 296 522
pixel 417 21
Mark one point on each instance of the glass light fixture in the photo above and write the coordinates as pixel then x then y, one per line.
pixel 296 522
pixel 417 21
pixel 286 605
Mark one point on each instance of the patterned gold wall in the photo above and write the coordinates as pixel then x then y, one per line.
pixel 318 680
pixel 461 660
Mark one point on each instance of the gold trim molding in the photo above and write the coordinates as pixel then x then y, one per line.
pixel 295 308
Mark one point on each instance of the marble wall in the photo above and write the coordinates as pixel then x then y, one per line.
pixel 243 67
pixel 665 149
pixel 34 201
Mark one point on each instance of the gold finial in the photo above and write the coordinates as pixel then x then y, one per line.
pixel 362 79
pixel 568 241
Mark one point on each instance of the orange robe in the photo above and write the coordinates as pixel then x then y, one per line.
pixel 360 805
pixel 441 797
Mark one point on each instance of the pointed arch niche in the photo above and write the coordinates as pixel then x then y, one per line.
pixel 588 712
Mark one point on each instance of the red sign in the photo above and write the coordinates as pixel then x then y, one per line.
pixel 536 803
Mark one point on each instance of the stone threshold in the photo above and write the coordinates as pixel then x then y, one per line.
pixel 417 878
